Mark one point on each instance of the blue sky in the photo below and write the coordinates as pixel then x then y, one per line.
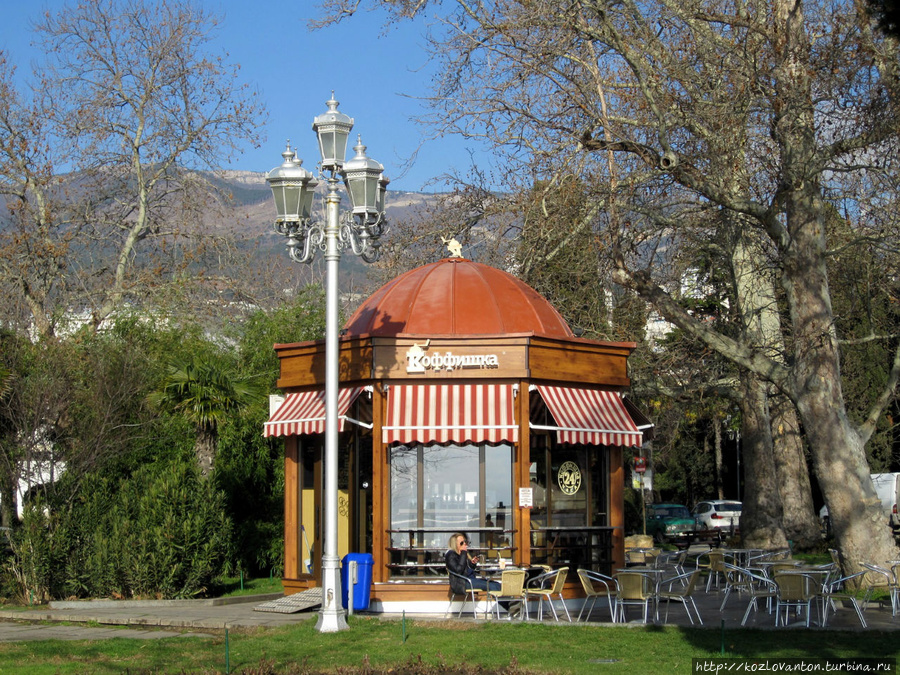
pixel 372 71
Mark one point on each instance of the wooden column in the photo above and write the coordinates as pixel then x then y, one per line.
pixel 617 505
pixel 292 541
pixel 522 476
pixel 381 489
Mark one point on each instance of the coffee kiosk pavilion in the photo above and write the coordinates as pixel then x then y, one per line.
pixel 467 404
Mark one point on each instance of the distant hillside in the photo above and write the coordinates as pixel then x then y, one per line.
pixel 248 197
pixel 245 207
pixel 250 194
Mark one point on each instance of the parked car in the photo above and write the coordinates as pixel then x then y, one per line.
pixel 668 521
pixel 715 514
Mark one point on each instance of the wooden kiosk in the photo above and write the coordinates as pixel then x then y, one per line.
pixel 467 405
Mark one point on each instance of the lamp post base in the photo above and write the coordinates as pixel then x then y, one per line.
pixel 332 617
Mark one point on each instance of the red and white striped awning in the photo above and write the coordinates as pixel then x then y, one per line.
pixel 443 413
pixel 589 417
pixel 304 413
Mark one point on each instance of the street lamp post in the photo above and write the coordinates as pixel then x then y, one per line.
pixel 362 226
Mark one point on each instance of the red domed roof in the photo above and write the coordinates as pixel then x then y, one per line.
pixel 455 296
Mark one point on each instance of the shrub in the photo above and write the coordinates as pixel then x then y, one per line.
pixel 31 567
pixel 160 533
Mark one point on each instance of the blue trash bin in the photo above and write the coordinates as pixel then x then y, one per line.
pixel 362 584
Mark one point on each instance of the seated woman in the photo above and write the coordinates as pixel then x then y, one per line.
pixel 460 562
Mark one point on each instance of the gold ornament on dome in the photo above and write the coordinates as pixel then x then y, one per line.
pixel 453 246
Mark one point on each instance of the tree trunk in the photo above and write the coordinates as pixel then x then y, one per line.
pixel 757 304
pixel 800 523
pixel 7 499
pixel 860 526
pixel 761 516
pixel 205 448
pixel 720 473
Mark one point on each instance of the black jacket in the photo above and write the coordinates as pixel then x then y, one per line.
pixel 458 563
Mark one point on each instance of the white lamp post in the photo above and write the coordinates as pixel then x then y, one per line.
pixel 292 187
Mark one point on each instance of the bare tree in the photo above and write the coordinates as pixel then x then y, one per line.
pixel 798 99
pixel 33 249
pixel 133 104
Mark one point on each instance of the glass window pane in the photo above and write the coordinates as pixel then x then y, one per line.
pixel 404 501
pixel 498 493
pixel 568 486
pixel 599 486
pixel 538 482
pixel 450 477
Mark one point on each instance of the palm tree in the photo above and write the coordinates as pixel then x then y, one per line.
pixel 206 394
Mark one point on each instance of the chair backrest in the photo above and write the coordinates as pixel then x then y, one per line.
pixel 633 586
pixel 835 556
pixel 794 587
pixel 839 585
pixel 636 557
pixel 668 585
pixel 595 583
pixel 781 567
pixel 876 576
pixel 735 576
pixel 716 560
pixel 755 583
pixel 824 573
pixel 559 580
pixel 460 584
pixel 587 584
pixel 512 582
pixel 692 582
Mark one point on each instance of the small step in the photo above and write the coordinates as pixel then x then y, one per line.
pixel 291 604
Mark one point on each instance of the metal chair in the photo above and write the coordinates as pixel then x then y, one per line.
pixel 796 591
pixel 673 559
pixel 878 577
pixel 635 588
pixel 471 594
pixel 544 588
pixel 715 566
pixel 836 590
pixel 512 588
pixel 595 586
pixel 684 594
pixel 735 580
pixel 756 586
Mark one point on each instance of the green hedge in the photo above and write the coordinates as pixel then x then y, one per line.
pixel 161 533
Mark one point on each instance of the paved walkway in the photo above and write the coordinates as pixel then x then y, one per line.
pixel 140 619
pixel 97 620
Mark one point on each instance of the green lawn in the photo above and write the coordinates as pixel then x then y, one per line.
pixel 439 647
pixel 231 586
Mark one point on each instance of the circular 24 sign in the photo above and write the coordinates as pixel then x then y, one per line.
pixel 569 478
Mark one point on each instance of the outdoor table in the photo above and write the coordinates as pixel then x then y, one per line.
pixel 740 556
pixel 765 565
pixel 490 571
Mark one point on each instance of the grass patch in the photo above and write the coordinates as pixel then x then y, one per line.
pixel 430 647
pixel 232 586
